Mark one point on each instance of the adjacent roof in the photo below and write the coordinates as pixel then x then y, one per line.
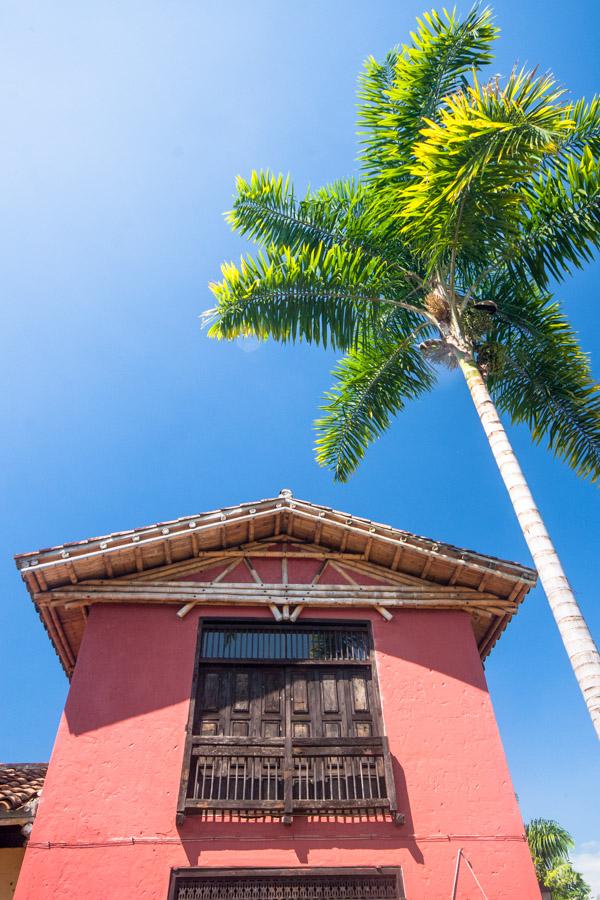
pixel 20 784
pixel 125 554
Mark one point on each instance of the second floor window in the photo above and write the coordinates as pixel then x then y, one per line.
pixel 285 719
pixel 303 682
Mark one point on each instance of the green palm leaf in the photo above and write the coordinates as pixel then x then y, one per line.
pixel 563 222
pixel 373 383
pixel 540 376
pixel 549 843
pixel 476 194
pixel 324 296
pixel 466 193
pixel 408 87
pixel 267 209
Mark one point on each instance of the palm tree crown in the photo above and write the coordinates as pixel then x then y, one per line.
pixel 474 196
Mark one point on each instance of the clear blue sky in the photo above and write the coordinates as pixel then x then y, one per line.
pixel 124 124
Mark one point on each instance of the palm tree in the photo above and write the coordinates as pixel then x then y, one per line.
pixel 474 196
pixel 549 845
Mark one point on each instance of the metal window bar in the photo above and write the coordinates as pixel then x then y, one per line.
pixel 287 884
pixel 284 642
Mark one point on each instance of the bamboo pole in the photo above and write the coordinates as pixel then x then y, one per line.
pixel 166 592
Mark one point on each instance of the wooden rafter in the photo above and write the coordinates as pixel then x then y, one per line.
pixel 489 589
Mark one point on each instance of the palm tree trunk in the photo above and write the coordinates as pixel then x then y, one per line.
pixel 574 631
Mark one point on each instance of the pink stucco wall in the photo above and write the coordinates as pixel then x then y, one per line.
pixel 106 830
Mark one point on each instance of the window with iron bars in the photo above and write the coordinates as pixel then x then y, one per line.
pixel 287 884
pixel 286 719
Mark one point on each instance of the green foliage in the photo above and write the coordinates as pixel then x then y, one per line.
pixel 544 380
pixel 317 295
pixel 567 884
pixel 464 194
pixel 549 845
pixel 267 210
pixel 476 192
pixel 398 95
pixel 563 221
pixel 373 383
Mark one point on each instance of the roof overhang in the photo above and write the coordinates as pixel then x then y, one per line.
pixel 64 580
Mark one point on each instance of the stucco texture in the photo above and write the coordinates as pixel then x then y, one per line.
pixel 106 829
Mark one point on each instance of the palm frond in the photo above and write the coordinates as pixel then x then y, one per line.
pixel 466 192
pixel 398 95
pixel 373 383
pixel 267 209
pixel 563 222
pixel 585 134
pixel 318 295
pixel 549 843
pixel 540 376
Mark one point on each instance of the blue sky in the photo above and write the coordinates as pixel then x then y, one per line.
pixel 125 124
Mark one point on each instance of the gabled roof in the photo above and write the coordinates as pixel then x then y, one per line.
pixel 68 569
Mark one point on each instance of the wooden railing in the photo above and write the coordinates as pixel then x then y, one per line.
pixel 283 776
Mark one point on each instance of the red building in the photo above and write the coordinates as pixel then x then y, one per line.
pixel 272 701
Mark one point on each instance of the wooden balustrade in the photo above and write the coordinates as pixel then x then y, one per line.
pixel 283 776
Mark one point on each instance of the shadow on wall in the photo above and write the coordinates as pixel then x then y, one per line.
pixel 307 832
pixel 136 659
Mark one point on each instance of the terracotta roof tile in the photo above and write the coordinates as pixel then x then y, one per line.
pixel 19 784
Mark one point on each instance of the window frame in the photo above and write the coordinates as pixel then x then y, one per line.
pixel 369 662
pixel 298 872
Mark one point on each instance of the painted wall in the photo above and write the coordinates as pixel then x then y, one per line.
pixel 105 828
pixel 10 863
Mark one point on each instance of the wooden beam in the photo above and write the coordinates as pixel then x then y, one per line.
pixel 62 638
pixel 343 573
pixel 456 572
pixel 384 575
pixel 252 570
pixel 483 581
pixel 296 509
pixel 182 613
pixel 426 567
pixel 55 636
pixel 138 541
pixel 384 612
pixel 514 594
pixel 366 530
pixel 165 590
pixel 320 572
